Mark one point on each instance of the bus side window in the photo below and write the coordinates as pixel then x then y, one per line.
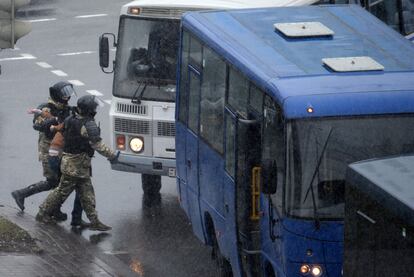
pixel 182 116
pixel 273 146
pixel 256 99
pixel 213 89
pixel 194 102
pixel 196 54
pixel 238 93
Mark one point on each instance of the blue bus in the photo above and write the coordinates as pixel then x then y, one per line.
pixel 272 106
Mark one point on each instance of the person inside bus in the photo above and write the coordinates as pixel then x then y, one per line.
pixel 162 45
pixel 138 63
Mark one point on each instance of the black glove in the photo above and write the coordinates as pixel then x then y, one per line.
pixel 114 159
pixel 49 122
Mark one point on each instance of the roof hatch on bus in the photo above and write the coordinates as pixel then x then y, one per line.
pixel 350 64
pixel 303 29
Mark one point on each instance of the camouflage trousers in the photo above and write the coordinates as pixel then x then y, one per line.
pixel 66 186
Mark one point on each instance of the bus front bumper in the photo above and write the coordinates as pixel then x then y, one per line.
pixel 145 165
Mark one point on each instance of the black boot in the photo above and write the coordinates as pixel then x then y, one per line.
pixel 21 194
pixel 80 223
pixel 96 225
pixel 41 216
pixel 59 215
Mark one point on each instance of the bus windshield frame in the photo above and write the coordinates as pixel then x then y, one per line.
pixel 146 58
pixel 319 151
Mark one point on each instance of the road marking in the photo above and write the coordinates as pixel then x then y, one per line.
pixel 94 92
pixel 91 15
pixel 76 83
pixel 112 252
pixel 44 65
pixel 59 73
pixel 108 102
pixel 23 57
pixel 40 20
pixel 76 53
pixel 28 56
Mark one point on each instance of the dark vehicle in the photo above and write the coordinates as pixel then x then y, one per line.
pixel 379 218
pixel 398 14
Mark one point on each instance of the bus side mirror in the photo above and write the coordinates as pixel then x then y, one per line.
pixel 104 51
pixel 269 176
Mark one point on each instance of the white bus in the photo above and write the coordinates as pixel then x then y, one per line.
pixel 143 94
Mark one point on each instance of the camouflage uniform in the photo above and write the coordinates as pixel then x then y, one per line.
pixel 51 114
pixel 76 174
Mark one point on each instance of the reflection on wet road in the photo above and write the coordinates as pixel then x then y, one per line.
pixel 161 239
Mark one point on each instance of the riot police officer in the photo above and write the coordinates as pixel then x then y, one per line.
pixel 48 117
pixel 82 138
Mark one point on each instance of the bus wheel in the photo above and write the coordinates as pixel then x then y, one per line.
pixel 223 267
pixel 151 184
pixel 269 270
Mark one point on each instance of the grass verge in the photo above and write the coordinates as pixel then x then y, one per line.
pixel 15 239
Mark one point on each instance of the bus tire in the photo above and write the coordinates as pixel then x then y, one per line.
pixel 269 270
pixel 151 184
pixel 223 267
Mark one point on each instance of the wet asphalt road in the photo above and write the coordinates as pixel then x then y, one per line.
pixel 152 237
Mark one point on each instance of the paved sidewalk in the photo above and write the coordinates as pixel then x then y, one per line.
pixel 64 253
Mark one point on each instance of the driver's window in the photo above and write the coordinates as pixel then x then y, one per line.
pixel 408 16
pixel 230 145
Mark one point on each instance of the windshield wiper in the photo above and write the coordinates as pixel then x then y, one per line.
pixel 310 188
pixel 138 99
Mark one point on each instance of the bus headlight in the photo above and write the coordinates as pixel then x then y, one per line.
pixel 311 270
pixel 316 271
pixel 304 269
pixel 136 144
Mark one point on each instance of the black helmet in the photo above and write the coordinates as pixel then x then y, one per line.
pixel 87 105
pixel 61 92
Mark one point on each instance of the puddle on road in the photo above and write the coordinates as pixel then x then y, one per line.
pixel 134 264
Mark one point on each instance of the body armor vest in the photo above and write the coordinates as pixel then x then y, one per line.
pixel 75 143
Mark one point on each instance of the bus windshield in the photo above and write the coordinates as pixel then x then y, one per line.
pixel 146 59
pixel 320 150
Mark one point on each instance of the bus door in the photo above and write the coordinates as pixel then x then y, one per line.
pixel 192 152
pixel 248 193
pixel 246 157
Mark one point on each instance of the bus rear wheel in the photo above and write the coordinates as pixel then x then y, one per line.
pixel 223 267
pixel 151 184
